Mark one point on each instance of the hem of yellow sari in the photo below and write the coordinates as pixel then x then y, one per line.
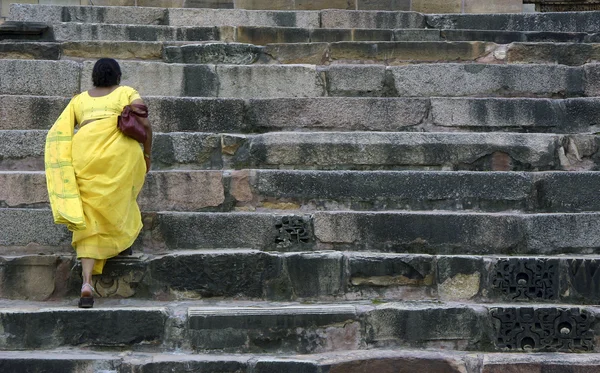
pixel 100 262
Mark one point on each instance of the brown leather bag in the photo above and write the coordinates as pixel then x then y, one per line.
pixel 130 124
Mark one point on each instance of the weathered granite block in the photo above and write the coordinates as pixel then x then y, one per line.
pixel 351 80
pixel 366 114
pixel 52 328
pixel 437 6
pixel 269 81
pixel 302 329
pixel 180 148
pixel 371 20
pixel 316 275
pixel 430 327
pixel 460 278
pixel 89 14
pixel 580 280
pixel 241 17
pixel 183 114
pixel 269 35
pixel 489 80
pixel 552 22
pixel 234 273
pixel 23 77
pixel 337 35
pixel 403 5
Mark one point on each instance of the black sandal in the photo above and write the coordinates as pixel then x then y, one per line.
pixel 86 302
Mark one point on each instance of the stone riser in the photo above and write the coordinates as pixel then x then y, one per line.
pixel 311 276
pixel 303 329
pixel 407 232
pixel 23 151
pixel 340 362
pixel 295 191
pixel 386 53
pixel 66 78
pixel 269 35
pixel 171 114
pixel 333 18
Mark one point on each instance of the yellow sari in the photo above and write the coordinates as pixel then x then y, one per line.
pixel 101 166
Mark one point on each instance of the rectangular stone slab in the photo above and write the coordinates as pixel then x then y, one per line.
pixel 295 328
pixel 56 327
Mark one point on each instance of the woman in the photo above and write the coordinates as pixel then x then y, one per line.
pixel 95 175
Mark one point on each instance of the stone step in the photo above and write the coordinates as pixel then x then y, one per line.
pixel 23 151
pixel 66 78
pixel 376 360
pixel 310 276
pixel 69 31
pixel 302 329
pixel 33 231
pixel 302 191
pixel 541 22
pixel 386 53
pixel 173 114
pixel 330 18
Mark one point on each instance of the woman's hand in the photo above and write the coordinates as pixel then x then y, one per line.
pixel 148 163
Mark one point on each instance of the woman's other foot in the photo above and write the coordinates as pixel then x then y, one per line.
pixel 87 296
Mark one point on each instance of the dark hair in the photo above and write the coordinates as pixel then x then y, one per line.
pixel 106 73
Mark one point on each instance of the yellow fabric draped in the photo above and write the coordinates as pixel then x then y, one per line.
pixel 60 176
pixel 109 170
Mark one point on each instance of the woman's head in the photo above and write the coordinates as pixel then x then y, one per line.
pixel 106 73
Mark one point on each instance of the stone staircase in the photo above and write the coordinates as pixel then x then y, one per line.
pixel 332 192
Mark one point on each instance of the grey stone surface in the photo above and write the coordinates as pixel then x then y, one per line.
pixel 389 275
pixel 363 150
pixel 334 18
pixel 350 80
pixel 229 274
pixel 401 52
pixel 269 81
pixel 442 233
pixel 332 35
pixel 205 114
pixel 241 17
pixel 304 329
pixel 460 277
pixel 194 231
pixel 33 50
pixel 457 233
pixel 417 34
pixel 571 54
pixel 488 80
pixel 17 362
pixel 208 53
pixel 428 326
pixel 403 190
pixel 318 274
pixel 508 114
pixel 51 328
pixel 592 73
pixel 88 14
pixel 29 112
pixel 32 228
pixel 24 77
pixel 562 22
pixel 506 37
pixel 22 150
pixel 187 114
pixel 187 150
pixel 112 32
pixel 363 114
pixel 267 35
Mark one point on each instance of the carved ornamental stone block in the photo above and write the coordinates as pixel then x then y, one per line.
pixel 527 279
pixel 293 230
pixel 544 329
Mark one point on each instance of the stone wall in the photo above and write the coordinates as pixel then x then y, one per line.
pixel 425 6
